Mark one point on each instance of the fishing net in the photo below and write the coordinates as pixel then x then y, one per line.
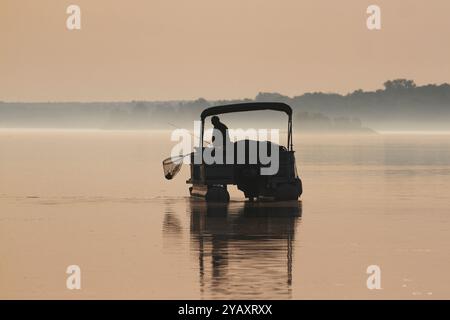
pixel 172 166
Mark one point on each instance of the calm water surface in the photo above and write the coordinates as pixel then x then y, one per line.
pixel 98 199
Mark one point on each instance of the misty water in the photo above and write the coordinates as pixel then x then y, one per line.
pixel 98 199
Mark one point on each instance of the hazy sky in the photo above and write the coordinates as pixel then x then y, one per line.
pixel 180 49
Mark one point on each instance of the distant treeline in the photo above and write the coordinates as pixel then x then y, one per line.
pixel 400 105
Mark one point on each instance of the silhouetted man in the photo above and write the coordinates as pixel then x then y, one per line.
pixel 219 128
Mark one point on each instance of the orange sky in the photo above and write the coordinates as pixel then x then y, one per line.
pixel 178 49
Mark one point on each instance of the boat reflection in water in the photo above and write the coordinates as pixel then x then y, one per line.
pixel 244 248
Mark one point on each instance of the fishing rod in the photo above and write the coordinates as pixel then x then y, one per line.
pixel 207 142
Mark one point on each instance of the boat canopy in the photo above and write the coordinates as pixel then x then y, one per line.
pixel 253 106
pixel 241 107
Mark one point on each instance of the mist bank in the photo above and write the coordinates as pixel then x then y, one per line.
pixel 400 105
